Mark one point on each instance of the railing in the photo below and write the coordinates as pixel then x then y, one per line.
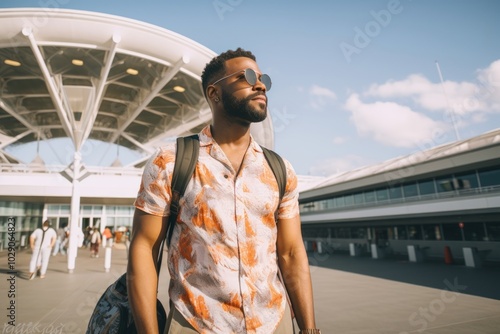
pixel 420 198
pixel 56 169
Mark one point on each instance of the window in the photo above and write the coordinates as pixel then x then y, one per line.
pixel 414 232
pixel 342 233
pixel 339 202
pixel 493 231
pixel 467 180
pixel 452 231
pixel 123 210
pixel 53 209
pixel 490 177
pixel 426 187
pixel 410 190
pixel 358 232
pixel 370 196
pixel 382 195
pixel 87 210
pixel 395 192
pixel 445 184
pixel 358 199
pixel 65 209
pixel 400 233
pixel 349 200
pixel 474 231
pixel 432 232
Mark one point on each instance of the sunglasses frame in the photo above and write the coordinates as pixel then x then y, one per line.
pixel 263 78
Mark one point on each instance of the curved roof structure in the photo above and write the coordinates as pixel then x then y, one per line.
pixel 84 75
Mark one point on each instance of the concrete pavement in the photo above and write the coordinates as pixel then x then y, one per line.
pixel 352 295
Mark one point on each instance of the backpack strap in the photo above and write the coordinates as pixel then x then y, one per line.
pixel 279 170
pixel 186 157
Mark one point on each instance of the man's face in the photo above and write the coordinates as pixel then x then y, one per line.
pixel 240 99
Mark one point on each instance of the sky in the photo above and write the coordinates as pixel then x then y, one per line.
pixel 355 83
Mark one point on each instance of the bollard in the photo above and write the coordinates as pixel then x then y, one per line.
pixel 107 259
pixel 448 258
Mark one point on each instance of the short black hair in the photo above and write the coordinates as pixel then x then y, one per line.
pixel 216 66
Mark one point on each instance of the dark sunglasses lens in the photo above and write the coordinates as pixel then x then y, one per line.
pixel 250 76
pixel 266 80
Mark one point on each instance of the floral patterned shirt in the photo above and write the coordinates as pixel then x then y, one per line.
pixel 222 258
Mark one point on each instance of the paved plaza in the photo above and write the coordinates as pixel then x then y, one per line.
pixel 352 295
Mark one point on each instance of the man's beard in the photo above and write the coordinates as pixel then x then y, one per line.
pixel 242 109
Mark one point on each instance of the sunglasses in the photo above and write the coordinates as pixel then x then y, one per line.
pixel 251 78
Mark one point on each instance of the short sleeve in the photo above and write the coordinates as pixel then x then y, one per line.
pixel 154 192
pixel 289 206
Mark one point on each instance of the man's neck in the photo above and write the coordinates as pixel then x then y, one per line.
pixel 231 135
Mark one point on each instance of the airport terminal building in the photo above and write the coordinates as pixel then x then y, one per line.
pixel 444 198
pixel 137 86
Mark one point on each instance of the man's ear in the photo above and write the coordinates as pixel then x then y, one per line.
pixel 212 93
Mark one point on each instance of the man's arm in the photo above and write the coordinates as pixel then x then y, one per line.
pixel 294 266
pixel 142 280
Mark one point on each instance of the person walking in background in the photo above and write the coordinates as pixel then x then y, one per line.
pixel 95 242
pixel 61 241
pixel 41 242
pixel 107 240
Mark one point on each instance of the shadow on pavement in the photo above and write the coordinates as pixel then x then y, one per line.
pixel 481 282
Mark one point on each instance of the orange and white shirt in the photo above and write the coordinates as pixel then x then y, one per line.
pixel 222 257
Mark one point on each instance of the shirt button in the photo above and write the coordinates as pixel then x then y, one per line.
pixel 226 176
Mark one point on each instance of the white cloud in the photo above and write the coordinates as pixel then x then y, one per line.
pixel 489 85
pixel 392 124
pixel 429 95
pixel 320 96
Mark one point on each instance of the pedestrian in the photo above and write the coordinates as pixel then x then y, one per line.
pixel 107 237
pixel 227 249
pixel 41 242
pixel 61 241
pixel 95 242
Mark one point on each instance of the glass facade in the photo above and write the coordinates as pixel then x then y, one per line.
pixel 462 183
pixel 28 216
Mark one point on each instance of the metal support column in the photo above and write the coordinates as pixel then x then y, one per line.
pixel 74 224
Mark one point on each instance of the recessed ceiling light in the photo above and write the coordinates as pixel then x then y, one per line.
pixel 132 71
pixel 179 89
pixel 77 62
pixel 12 62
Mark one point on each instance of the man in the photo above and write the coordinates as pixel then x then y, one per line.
pixel 60 241
pixel 226 247
pixel 41 242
